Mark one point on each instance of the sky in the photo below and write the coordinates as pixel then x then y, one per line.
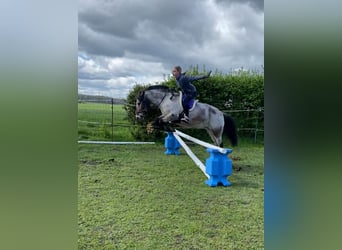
pixel 126 42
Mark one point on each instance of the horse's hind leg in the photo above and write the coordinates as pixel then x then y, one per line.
pixel 215 137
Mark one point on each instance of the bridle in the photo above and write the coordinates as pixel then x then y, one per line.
pixel 143 102
pixel 162 100
pixel 141 99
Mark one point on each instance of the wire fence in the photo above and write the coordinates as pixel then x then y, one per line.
pixel 249 122
pixel 107 120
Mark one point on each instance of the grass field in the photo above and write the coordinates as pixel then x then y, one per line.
pixel 136 197
pixel 94 122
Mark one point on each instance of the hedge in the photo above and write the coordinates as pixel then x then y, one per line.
pixel 238 91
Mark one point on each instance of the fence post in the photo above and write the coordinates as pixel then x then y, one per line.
pixel 112 119
pixel 256 126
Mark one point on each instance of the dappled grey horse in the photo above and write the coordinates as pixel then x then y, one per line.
pixel 201 116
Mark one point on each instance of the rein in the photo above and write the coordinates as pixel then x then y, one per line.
pixel 162 100
pixel 142 96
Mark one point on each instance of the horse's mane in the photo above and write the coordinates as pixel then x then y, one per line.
pixel 161 87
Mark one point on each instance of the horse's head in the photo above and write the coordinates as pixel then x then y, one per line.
pixel 140 105
pixel 149 100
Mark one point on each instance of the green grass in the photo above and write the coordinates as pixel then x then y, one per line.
pixel 135 197
pixel 94 122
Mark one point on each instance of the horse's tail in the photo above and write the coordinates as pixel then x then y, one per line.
pixel 230 129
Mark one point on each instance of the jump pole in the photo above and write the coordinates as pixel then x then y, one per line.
pixel 202 143
pixel 192 155
pixel 217 167
pixel 114 142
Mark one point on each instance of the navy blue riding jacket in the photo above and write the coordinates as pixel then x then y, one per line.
pixel 184 82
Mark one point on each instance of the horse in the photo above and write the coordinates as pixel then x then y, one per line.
pixel 201 115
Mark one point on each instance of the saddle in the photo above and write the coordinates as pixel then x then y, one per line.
pixel 190 105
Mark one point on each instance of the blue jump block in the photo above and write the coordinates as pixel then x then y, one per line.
pixel 171 144
pixel 218 167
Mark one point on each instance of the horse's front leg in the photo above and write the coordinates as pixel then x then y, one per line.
pixel 169 117
pixel 159 123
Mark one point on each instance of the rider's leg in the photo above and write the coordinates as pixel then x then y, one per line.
pixel 185 114
pixel 186 101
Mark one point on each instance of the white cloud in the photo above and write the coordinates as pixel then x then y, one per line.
pixel 125 42
pixel 114 77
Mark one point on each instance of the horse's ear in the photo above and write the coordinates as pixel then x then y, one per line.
pixel 140 93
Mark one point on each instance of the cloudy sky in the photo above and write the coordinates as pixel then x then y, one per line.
pixel 125 42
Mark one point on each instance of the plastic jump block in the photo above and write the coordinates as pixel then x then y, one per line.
pixel 171 144
pixel 218 167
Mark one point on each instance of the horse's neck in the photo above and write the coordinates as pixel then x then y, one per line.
pixel 156 97
pixel 172 104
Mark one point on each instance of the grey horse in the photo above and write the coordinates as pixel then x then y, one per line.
pixel 201 116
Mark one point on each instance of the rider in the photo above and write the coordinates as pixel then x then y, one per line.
pixel 188 90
